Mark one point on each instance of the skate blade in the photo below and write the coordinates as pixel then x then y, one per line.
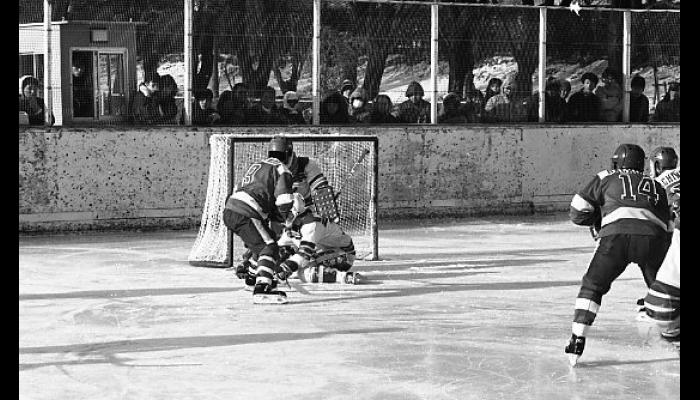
pixel 269 299
pixel 573 359
pixel 248 288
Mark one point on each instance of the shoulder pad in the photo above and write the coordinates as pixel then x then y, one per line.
pixel 605 173
pixel 273 161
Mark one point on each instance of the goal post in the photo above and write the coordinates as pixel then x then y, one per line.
pixel 349 162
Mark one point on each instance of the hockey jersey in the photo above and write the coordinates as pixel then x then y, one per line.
pixel 671 181
pixel 622 201
pixel 307 177
pixel 265 191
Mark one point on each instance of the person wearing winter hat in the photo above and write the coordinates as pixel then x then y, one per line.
pixel 30 102
pixel 359 110
pixel 415 109
pixel 451 112
pixel 346 88
pixel 381 111
pixel 290 113
pixel 334 109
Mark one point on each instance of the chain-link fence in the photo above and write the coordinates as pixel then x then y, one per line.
pixel 120 62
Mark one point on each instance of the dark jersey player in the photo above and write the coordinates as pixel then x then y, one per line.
pixel 663 301
pixel 263 195
pixel 633 214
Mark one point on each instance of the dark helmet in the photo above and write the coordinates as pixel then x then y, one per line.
pixel 662 158
pixel 280 147
pixel 628 156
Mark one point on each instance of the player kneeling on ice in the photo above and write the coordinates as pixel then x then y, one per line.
pixel 263 195
pixel 634 218
pixel 663 301
pixel 324 252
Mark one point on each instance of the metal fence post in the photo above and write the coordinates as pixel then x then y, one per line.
pixel 626 61
pixel 187 50
pixel 316 64
pixel 542 64
pixel 433 61
pixel 48 90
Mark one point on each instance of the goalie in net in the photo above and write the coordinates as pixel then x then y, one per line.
pixel 313 237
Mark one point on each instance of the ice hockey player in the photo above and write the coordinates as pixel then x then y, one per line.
pixel 663 301
pixel 263 194
pixel 635 223
pixel 317 224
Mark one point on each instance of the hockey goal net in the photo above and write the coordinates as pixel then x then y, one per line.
pixel 349 163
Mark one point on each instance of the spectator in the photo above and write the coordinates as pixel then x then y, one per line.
pixel 474 106
pixel 415 109
pixel 359 110
pixel 290 112
pixel 234 105
pixel 639 103
pixel 346 88
pixel 82 92
pixel 451 110
pixel 165 98
pixel 144 106
pixel 669 108
pixel 493 88
pixel 266 111
pixel 504 107
pixel 584 106
pixel 381 111
pixel 610 95
pixel 564 88
pixel 334 109
pixel 203 112
pixel 554 103
pixel 30 102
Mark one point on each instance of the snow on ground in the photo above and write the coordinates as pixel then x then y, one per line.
pixel 464 309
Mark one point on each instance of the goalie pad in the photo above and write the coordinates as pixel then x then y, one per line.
pixel 325 205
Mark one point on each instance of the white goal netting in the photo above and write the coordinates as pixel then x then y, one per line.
pixel 349 163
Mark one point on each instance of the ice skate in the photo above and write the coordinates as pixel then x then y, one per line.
pixel 575 348
pixel 349 278
pixel 264 293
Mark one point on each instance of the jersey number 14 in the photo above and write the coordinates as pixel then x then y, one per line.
pixel 645 187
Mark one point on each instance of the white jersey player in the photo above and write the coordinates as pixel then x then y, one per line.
pixel 318 226
pixel 663 300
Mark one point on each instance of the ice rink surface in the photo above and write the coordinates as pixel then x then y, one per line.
pixel 471 309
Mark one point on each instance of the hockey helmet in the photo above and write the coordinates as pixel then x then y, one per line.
pixel 661 159
pixel 280 146
pixel 628 156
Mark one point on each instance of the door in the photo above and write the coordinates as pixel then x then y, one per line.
pixel 98 84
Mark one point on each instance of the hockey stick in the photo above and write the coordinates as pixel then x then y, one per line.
pixel 352 171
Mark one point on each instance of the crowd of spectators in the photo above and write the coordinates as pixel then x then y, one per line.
pixel 597 100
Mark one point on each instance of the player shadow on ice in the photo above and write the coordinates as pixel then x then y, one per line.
pixel 121 293
pixel 613 363
pixel 408 257
pixel 437 288
pixel 462 264
pixel 105 351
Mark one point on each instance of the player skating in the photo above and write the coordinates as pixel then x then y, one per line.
pixel 264 194
pixel 663 300
pixel 634 217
